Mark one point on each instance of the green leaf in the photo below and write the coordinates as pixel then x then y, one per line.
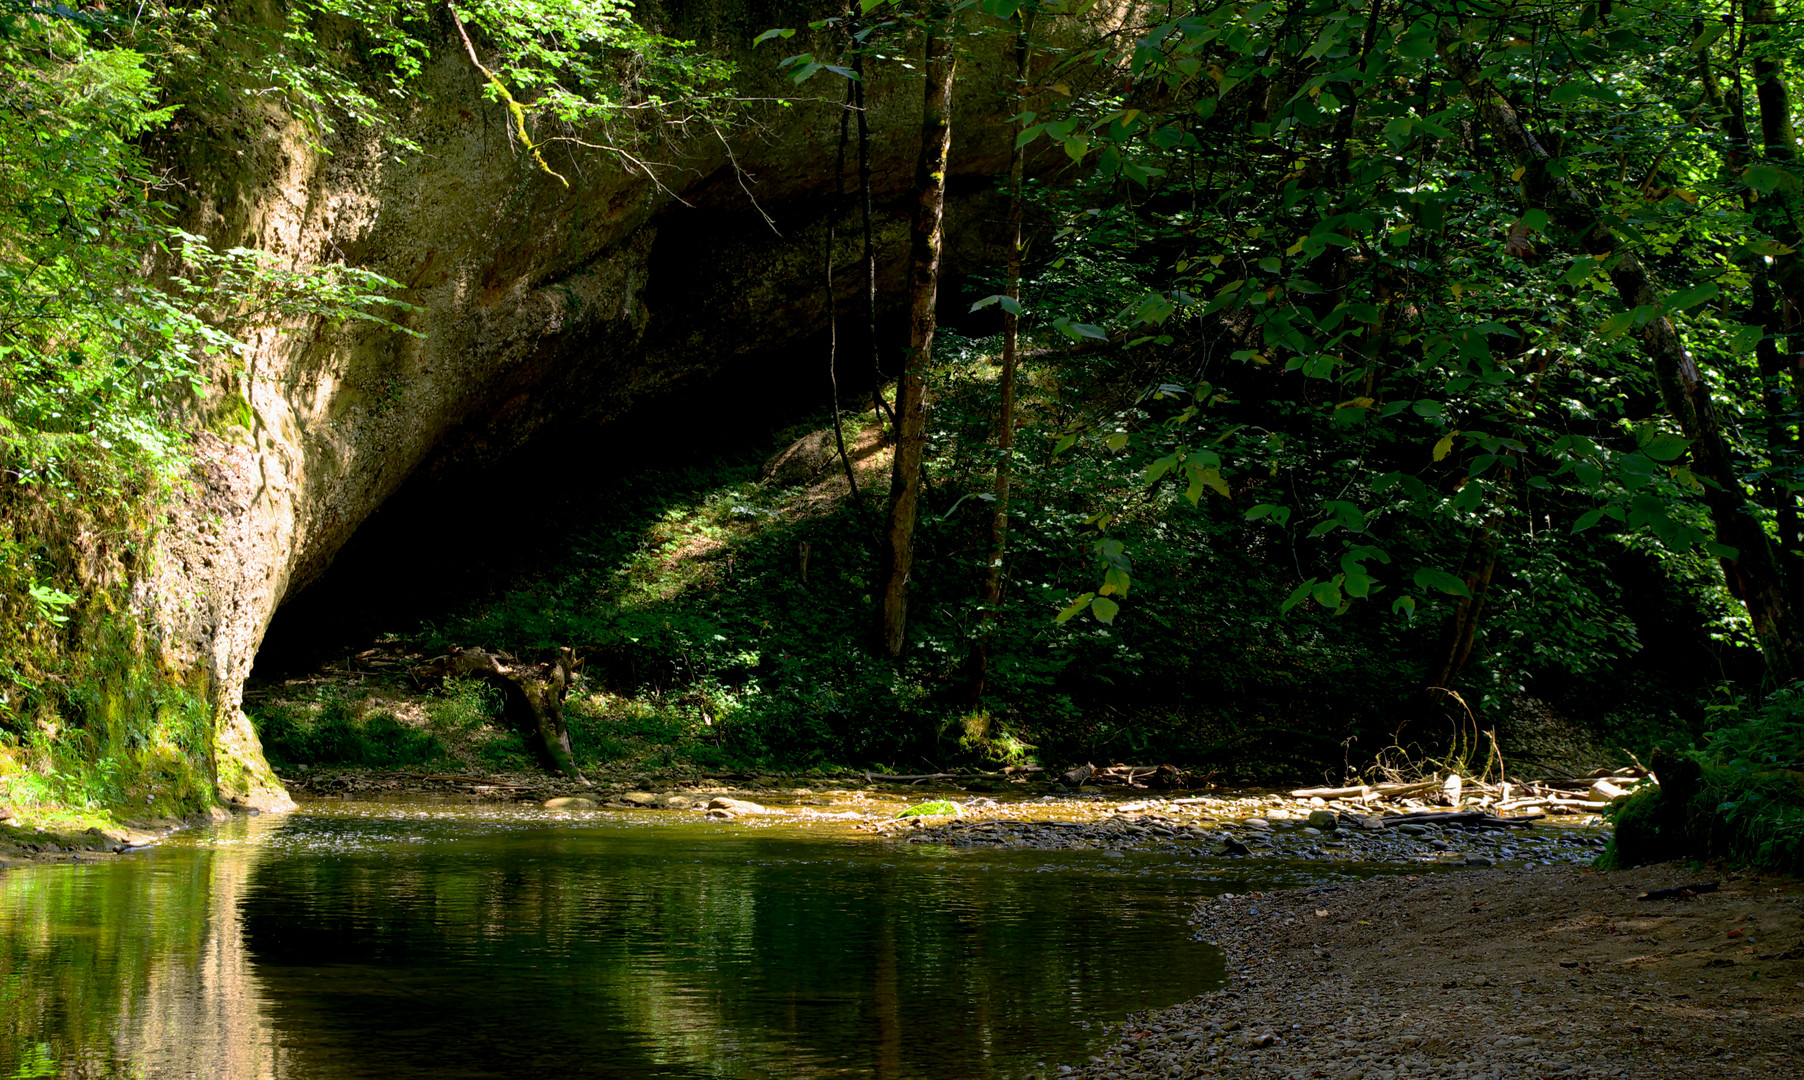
pixel 1440 580
pixel 1613 327
pixel 1104 609
pixel 1417 45
pixel 1767 178
pixel 1704 40
pixel 768 34
pixel 1297 596
pixel 1580 270
pixel 1666 447
pixel 1744 338
pixel 1428 408
pixel 1587 520
pixel 1327 594
pixel 1115 582
pixel 1071 611
pixel 1697 294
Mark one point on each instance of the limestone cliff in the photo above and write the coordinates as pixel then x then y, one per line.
pixel 536 304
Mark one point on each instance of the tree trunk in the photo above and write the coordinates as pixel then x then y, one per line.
pixel 839 200
pixel 870 246
pixel 1005 410
pixel 1774 298
pixel 532 698
pixel 1462 633
pixel 1750 567
pixel 911 404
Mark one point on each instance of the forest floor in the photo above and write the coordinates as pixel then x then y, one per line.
pixel 1517 973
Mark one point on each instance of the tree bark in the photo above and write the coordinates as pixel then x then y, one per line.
pixel 870 246
pixel 1774 299
pixel 532 698
pixel 839 200
pixel 1462 633
pixel 994 577
pixel 911 404
pixel 1750 568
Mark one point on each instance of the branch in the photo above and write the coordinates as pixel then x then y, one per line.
pixel 513 106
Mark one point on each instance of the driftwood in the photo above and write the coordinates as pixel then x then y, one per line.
pixel 532 697
pixel 1679 891
pixel 1162 777
pixel 1468 819
pixel 1359 792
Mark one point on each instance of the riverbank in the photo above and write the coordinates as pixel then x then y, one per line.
pixel 76 842
pixel 1507 974
pixel 1019 813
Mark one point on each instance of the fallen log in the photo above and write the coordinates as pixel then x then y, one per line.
pixel 1360 792
pixel 1394 790
pixel 532 697
pixel 1577 804
pixel 1462 818
pixel 1518 804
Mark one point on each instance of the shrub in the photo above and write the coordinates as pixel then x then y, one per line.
pixel 1739 797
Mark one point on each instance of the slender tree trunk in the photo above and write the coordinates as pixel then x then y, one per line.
pixel 1462 632
pixel 1774 299
pixel 911 404
pixel 839 201
pixel 1005 410
pixel 870 245
pixel 1779 296
pixel 1750 568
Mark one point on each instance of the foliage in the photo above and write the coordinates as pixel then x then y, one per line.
pixel 117 330
pixel 1739 796
pixel 335 728
pixel 934 808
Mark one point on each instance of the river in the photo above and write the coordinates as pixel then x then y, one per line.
pixel 456 940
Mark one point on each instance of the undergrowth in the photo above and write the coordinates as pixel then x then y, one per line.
pixel 727 620
pixel 1738 796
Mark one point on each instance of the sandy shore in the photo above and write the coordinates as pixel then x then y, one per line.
pixel 1505 974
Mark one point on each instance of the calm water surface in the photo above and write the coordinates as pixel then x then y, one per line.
pixel 444 940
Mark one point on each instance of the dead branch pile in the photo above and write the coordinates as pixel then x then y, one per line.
pixel 1578 795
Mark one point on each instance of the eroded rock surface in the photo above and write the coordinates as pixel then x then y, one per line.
pixel 535 305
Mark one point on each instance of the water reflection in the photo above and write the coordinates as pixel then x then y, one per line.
pixel 134 968
pixel 393 942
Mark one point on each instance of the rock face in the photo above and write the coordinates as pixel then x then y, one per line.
pixel 536 305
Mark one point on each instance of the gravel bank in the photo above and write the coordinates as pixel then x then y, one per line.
pixel 1531 973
